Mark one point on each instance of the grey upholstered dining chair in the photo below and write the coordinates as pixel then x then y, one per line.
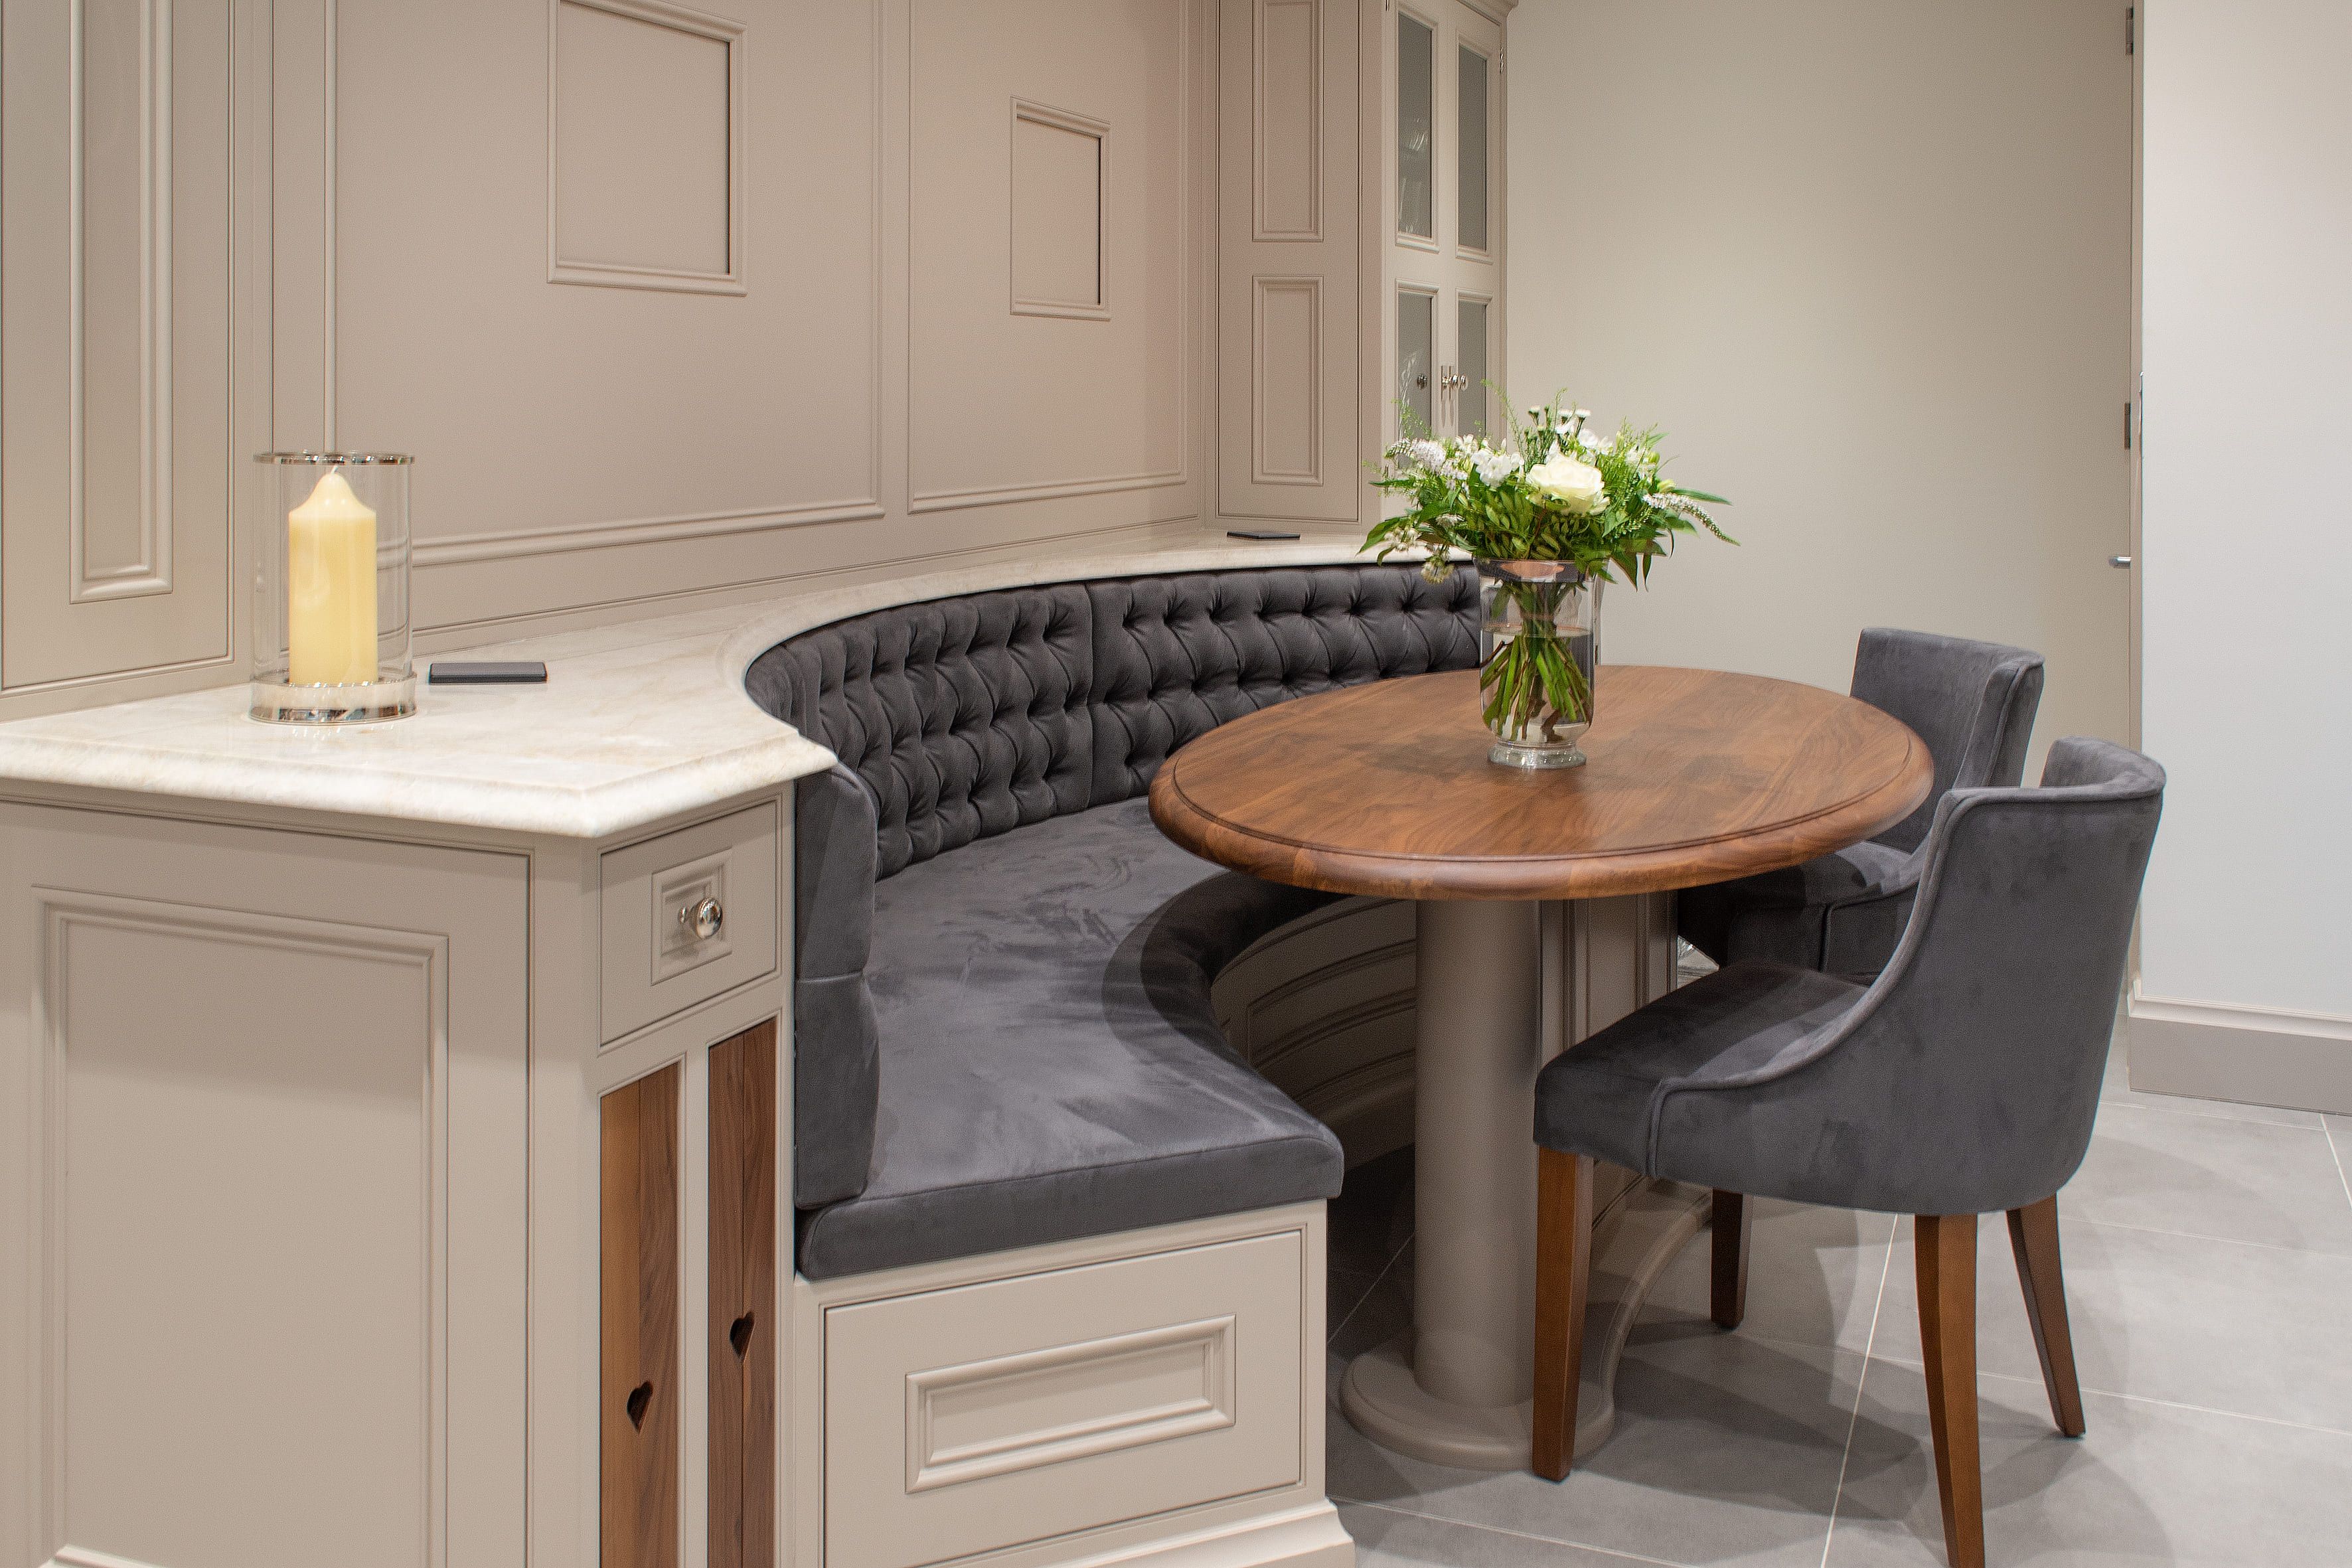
pixel 1963 1080
pixel 1972 703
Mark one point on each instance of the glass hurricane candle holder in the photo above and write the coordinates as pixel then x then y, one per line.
pixel 331 624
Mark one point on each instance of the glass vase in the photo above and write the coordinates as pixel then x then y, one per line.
pixel 331 639
pixel 1540 641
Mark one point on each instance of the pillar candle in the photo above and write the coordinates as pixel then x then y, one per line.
pixel 330 587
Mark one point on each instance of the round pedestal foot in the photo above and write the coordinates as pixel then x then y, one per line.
pixel 1381 1397
pixel 1631 1246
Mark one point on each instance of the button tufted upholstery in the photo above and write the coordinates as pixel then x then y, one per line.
pixel 1176 656
pixel 1087 1095
pixel 966 717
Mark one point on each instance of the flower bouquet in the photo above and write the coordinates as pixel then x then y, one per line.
pixel 1548 517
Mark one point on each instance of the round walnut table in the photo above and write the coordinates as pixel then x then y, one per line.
pixel 1545 912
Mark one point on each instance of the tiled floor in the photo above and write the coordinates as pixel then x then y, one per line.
pixel 2209 1268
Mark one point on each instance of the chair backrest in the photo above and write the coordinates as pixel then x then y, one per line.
pixel 1966 1078
pixel 1972 703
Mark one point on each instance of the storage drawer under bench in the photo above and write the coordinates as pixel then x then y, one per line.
pixel 974 1418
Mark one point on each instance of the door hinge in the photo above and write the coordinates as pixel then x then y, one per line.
pixel 2131 29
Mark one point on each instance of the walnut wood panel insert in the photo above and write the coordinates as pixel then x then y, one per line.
pixel 742 1300
pixel 638 1386
pixel 1695 776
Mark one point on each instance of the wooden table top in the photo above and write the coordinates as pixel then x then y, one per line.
pixel 1694 776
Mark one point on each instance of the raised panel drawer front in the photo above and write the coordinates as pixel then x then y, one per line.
pixel 687 916
pixel 968 1420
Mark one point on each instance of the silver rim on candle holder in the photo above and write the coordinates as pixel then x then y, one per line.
pixel 333 639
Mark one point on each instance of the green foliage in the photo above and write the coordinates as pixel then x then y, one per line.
pixel 1491 502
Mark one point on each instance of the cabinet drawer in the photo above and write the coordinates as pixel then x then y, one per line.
pixel 966 1420
pixel 656 959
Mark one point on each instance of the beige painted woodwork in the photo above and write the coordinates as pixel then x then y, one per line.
pixel 262 1096
pixel 120 382
pixel 1437 256
pixel 1289 192
pixel 673 304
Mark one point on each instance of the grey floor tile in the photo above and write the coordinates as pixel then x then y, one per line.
pixel 1386 1538
pixel 2150 1484
pixel 2339 1143
pixel 2204 1175
pixel 2116 1090
pixel 1726 1450
pixel 2252 1330
pixel 1812 1276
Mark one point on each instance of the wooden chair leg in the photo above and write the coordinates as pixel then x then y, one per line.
pixel 1947 1250
pixel 1563 1268
pixel 2033 1238
pixel 1728 1299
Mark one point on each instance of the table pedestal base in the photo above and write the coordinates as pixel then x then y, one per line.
pixel 1633 1243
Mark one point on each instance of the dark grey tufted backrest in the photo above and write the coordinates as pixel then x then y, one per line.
pixel 966 717
pixel 1176 656
pixel 972 716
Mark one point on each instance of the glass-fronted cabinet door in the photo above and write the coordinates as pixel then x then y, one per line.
pixel 1445 103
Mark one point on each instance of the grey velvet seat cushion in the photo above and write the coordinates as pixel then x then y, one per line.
pixel 1963 1079
pixel 1973 704
pixel 1050 1067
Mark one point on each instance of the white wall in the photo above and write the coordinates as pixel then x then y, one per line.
pixel 1869 265
pixel 2247 491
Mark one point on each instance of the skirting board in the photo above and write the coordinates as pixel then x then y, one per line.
pixel 1308 1537
pixel 2255 1055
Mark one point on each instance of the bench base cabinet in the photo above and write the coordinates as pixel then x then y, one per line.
pixel 1161 1391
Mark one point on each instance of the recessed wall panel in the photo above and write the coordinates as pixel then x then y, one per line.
pixel 115 280
pixel 1286 385
pixel 1058 170
pixel 1055 397
pixel 641 146
pixel 1289 113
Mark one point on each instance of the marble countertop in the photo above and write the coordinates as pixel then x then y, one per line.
pixel 638 720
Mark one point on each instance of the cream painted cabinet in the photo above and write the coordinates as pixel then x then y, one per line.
pixel 1360 216
pixel 1442 88
pixel 262 1155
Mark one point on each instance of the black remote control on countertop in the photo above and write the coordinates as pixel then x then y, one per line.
pixel 463 672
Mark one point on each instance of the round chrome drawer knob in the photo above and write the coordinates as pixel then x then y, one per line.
pixel 704 917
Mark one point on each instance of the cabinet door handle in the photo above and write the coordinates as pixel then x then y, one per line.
pixel 2120 563
pixel 704 917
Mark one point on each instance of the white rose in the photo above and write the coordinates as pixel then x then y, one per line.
pixel 1577 487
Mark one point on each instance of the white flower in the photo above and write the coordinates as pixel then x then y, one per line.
pixel 1494 467
pixel 1426 454
pixel 1576 487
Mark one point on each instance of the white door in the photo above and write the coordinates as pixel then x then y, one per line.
pixel 1446 212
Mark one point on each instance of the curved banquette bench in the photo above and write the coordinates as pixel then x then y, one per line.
pixel 1003 1034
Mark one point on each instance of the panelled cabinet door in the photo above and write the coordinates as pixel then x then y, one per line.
pixel 263 1197
pixel 1288 249
pixel 1444 84
pixel 115 370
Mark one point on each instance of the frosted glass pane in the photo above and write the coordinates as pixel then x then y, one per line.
pixel 1416 128
pixel 1416 354
pixel 1471 151
pixel 1472 412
